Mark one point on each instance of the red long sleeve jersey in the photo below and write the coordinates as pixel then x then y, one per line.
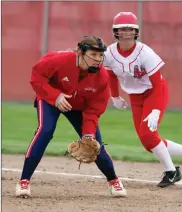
pixel 57 72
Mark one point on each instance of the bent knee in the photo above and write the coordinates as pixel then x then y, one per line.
pixel 47 132
pixel 149 140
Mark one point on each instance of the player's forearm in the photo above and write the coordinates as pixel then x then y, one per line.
pixel 46 92
pixel 113 83
pixel 89 125
pixel 40 83
pixel 156 95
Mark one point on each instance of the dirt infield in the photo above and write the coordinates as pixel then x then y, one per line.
pixel 66 193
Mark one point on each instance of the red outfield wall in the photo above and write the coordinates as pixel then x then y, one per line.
pixel 68 22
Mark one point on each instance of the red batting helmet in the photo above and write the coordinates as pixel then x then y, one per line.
pixel 125 19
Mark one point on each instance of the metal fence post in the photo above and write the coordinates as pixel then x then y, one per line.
pixel 45 24
pixel 140 8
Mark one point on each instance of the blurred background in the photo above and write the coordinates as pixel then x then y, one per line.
pixel 30 29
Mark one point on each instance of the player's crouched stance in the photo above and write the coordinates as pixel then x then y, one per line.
pixel 74 84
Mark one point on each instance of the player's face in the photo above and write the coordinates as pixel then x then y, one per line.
pixel 93 58
pixel 126 34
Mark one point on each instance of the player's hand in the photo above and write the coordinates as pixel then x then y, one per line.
pixel 62 104
pixel 119 102
pixel 153 119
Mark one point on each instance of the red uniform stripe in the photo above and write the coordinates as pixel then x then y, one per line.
pixel 40 121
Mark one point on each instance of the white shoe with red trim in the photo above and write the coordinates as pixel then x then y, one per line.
pixel 116 188
pixel 23 189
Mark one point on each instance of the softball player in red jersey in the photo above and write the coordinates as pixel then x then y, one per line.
pixel 75 84
pixel 136 67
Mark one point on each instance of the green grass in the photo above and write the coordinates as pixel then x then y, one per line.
pixel 19 123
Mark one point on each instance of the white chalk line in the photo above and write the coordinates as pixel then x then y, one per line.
pixel 89 176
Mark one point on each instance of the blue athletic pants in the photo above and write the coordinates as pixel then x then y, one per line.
pixel 47 120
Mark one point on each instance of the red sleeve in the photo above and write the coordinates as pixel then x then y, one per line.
pixel 95 107
pixel 41 74
pixel 156 96
pixel 113 83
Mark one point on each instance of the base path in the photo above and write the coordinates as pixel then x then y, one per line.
pixel 59 186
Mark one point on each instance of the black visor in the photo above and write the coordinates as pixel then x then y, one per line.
pixel 101 46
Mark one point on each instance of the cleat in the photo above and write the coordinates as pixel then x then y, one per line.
pixel 23 189
pixel 116 188
pixel 170 177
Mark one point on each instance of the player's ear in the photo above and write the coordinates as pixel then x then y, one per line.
pixel 79 52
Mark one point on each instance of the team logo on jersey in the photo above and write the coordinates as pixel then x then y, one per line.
pixel 139 72
pixel 91 89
